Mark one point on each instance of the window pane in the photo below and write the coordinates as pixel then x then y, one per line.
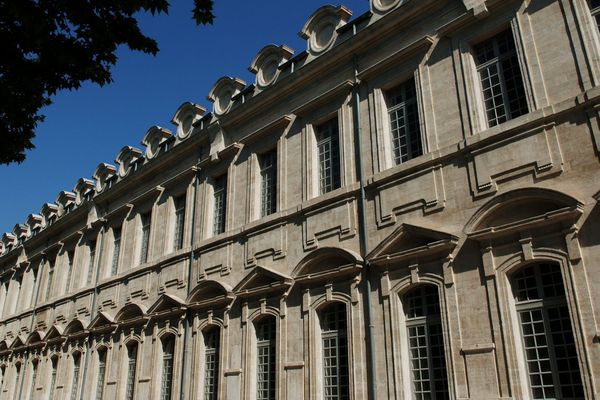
pixel 335 352
pixel 404 122
pixel 179 222
pixel 75 381
pixel 211 364
pixel 145 237
pixel 116 250
pixel 265 354
pixel 328 152
pixel 268 186
pixel 501 80
pixel 426 343
pixel 220 189
pixel 167 368
pixel 101 374
pixel 131 365
pixel 548 341
pixel 92 247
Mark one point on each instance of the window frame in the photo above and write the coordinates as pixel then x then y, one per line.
pixel 145 232
pixel 271 345
pixel 167 360
pixel 179 217
pixel 338 335
pixel 131 365
pixel 496 61
pixel 268 195
pixel 116 249
pixel 216 352
pixel 542 304
pixel 335 148
pixel 218 222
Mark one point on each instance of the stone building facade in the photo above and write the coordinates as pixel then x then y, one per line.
pixel 408 209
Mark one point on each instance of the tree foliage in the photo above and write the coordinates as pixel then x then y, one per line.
pixel 52 45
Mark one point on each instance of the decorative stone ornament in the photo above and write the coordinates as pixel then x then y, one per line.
pixel 383 6
pixel 184 118
pixel 34 221
pixel 65 199
pixel 21 231
pixel 222 93
pixel 127 156
pixel 102 173
pixel 320 30
pixel 82 188
pixel 266 63
pixel 153 138
pixel 9 240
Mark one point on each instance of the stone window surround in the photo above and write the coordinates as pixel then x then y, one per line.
pixel 249 345
pixel 202 325
pixel 157 358
pixel 255 179
pixel 310 177
pixel 471 102
pixel 383 153
pixel 225 169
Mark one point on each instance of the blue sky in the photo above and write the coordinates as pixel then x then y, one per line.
pixel 86 127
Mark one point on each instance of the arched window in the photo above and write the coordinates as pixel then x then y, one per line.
pixel 54 363
pixel 547 336
pixel 211 363
pixel 334 342
pixel 34 369
pixel 17 379
pixel 168 348
pixel 76 370
pixel 425 343
pixel 132 350
pixel 266 333
pixel 101 373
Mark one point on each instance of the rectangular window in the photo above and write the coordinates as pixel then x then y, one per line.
pixel 75 382
pixel 328 151
pixel 70 255
pixel 211 364
pixel 116 250
pixel 501 80
pixel 92 247
pixel 220 204
pixel 145 220
pixel 101 374
pixel 50 279
pixel 268 183
pixel 131 365
pixel 167 368
pixel 404 122
pixel 595 10
pixel 179 222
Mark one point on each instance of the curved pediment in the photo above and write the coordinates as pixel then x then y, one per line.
pixel 320 30
pixel 410 243
pixel 35 339
pixel 210 293
pixel 223 92
pixel 326 263
pixel 185 117
pixel 261 281
pixel 75 328
pixel 131 314
pixel 522 209
pixel 166 305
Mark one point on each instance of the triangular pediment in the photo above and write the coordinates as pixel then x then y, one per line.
pixel 102 322
pixel 4 346
pixel 261 281
pixel 17 343
pixel 167 304
pixel 210 294
pixel 54 333
pixel 412 242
